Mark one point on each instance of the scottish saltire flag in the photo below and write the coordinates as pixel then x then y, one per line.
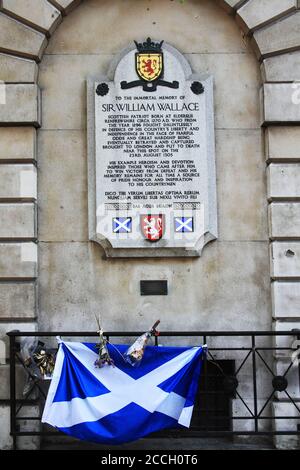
pixel 119 404
pixel 122 224
pixel 184 224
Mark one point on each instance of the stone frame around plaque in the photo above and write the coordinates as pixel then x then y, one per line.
pixel 117 248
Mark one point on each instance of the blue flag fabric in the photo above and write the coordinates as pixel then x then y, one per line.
pixel 120 404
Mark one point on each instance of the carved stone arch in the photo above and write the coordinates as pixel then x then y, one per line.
pixel 272 27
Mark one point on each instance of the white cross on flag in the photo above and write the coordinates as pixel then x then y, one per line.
pixel 122 403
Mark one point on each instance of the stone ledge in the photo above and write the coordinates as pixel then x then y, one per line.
pixel 284 220
pixel 258 13
pixel 65 6
pixel 280 103
pixel 282 68
pixel 231 5
pixel 18 182
pixel 17 300
pixel 18 260
pixel 16 70
pixel 18 39
pixel 18 221
pixel 285 260
pixel 21 105
pixel 40 15
pixel 286 300
pixel 283 181
pixel 279 37
pixel 17 143
pixel 282 143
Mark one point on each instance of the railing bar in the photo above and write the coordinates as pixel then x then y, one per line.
pixel 244 361
pixel 245 404
pixel 12 352
pixel 162 333
pixel 265 363
pixel 292 400
pixel 266 404
pixel 254 381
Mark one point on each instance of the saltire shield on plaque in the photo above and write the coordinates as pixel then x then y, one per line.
pixel 152 226
pixel 120 404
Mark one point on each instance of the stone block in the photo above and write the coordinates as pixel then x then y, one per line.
pixel 65 5
pixel 6 441
pixel 283 181
pixel 17 38
pixel 283 143
pixel 17 70
pixel 286 409
pixel 39 15
pixel 257 13
pixel 280 103
pixel 288 342
pixel 63 182
pixel 281 36
pixel 282 68
pixel 284 220
pixel 230 5
pixel 21 105
pixel 5 327
pixel 285 259
pixel 286 299
pixel 18 260
pixel 18 221
pixel 17 300
pixel 24 442
pixel 17 143
pixel 18 182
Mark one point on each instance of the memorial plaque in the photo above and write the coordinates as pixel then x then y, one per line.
pixel 152 182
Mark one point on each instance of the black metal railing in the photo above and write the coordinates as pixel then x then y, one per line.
pixel 245 376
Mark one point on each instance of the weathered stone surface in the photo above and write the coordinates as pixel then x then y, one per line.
pixel 289 342
pixel 70 274
pixel 17 221
pixel 18 38
pixel 285 259
pixel 5 382
pixel 65 5
pixel 257 13
pixel 24 442
pixel 286 409
pixel 18 182
pixel 187 28
pixel 282 68
pixel 283 181
pixel 63 80
pixel 280 103
pixel 230 5
pixel 284 220
pixel 40 15
pixel 17 70
pixel 63 179
pixel 17 300
pixel 5 327
pixel 240 152
pixel 282 36
pixel 18 260
pixel 283 143
pixel 21 105
pixel 17 143
pixel 232 71
pixel 5 438
pixel 286 299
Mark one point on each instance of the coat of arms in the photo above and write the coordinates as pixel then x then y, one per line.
pixel 152 226
pixel 149 66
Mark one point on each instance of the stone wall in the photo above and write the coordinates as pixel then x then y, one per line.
pixel 230 284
